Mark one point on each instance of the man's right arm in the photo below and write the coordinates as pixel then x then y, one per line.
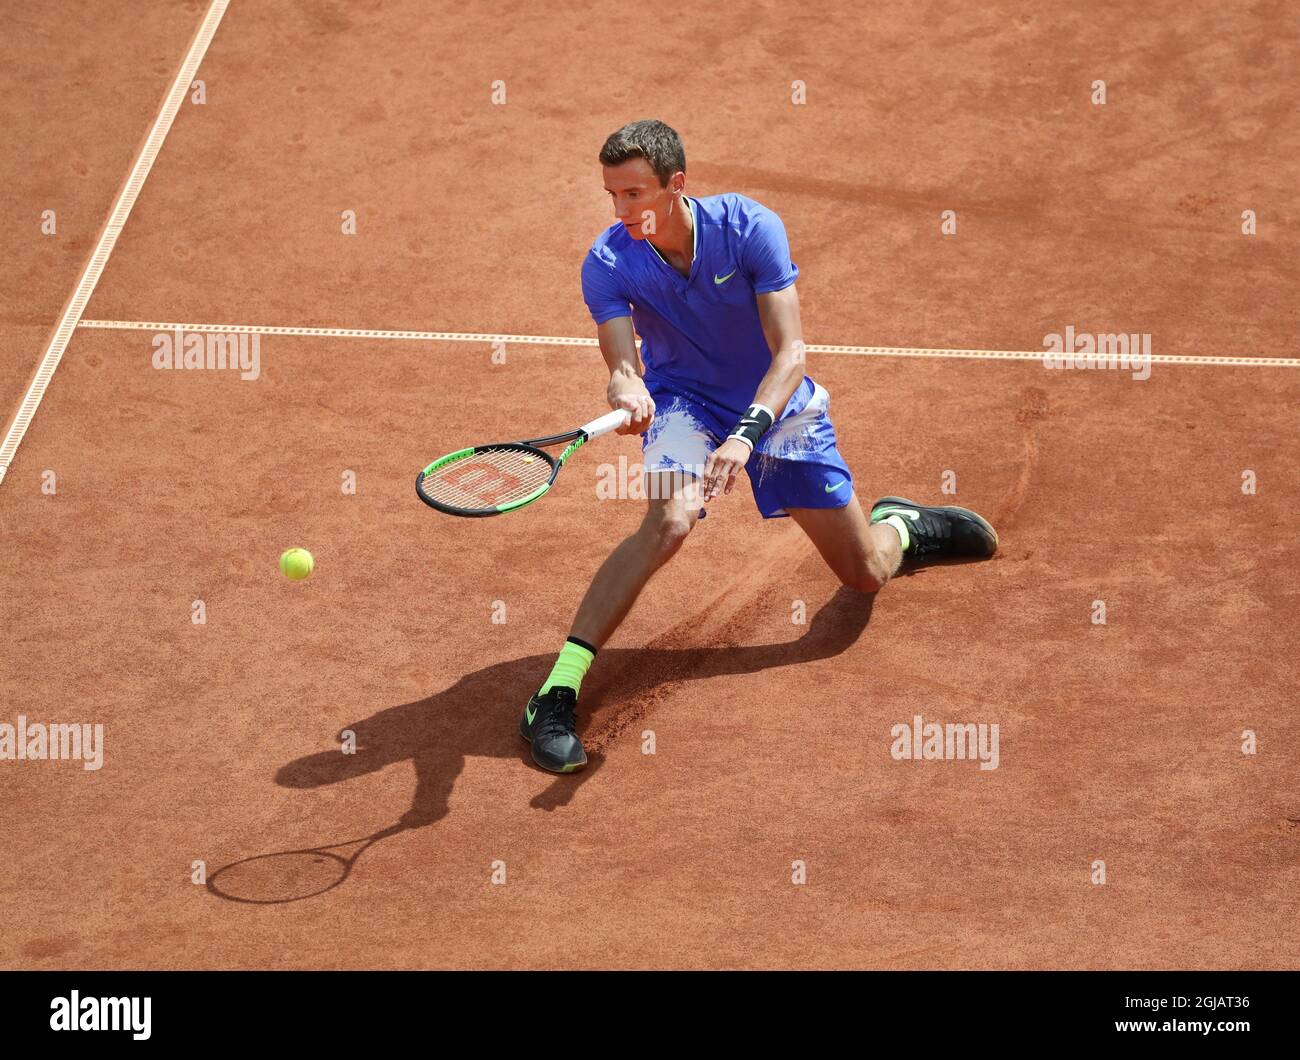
pixel 627 390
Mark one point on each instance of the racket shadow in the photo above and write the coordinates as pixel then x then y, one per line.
pixel 291 875
pixel 479 716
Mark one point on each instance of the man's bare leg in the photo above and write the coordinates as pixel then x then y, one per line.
pixel 550 719
pixel 672 513
pixel 865 555
pixel 862 556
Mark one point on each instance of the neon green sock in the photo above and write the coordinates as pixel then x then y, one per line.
pixel 898 524
pixel 570 668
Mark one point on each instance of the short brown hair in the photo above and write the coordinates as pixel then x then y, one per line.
pixel 652 140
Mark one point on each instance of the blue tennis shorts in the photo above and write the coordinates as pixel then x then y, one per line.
pixel 795 465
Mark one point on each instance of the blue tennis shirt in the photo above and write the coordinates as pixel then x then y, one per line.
pixel 701 336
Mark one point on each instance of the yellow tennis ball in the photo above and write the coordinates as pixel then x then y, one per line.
pixel 296 564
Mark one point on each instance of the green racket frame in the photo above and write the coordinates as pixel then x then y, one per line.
pixel 576 439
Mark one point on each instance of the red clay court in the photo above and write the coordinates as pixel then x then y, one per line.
pixel 461 140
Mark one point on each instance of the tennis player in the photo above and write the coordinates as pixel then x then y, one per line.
pixel 709 286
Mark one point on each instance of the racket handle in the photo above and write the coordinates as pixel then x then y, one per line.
pixel 611 421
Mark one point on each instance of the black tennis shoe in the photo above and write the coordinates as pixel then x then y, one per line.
pixel 939 533
pixel 550 724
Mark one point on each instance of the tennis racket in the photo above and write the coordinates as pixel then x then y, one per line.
pixel 505 476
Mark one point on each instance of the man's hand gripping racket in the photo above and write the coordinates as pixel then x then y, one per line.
pixel 505 476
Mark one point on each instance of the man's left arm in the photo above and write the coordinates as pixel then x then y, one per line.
pixel 778 311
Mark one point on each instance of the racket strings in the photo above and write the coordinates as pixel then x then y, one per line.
pixel 495 476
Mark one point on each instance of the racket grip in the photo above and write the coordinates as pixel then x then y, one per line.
pixel 604 424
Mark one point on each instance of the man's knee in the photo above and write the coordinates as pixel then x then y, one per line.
pixel 870 572
pixel 864 581
pixel 664 530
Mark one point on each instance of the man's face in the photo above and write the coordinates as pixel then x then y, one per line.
pixel 634 190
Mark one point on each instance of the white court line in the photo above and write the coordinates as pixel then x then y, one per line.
pixel 108 237
pixel 554 340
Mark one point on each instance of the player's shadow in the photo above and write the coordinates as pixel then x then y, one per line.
pixel 479 714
